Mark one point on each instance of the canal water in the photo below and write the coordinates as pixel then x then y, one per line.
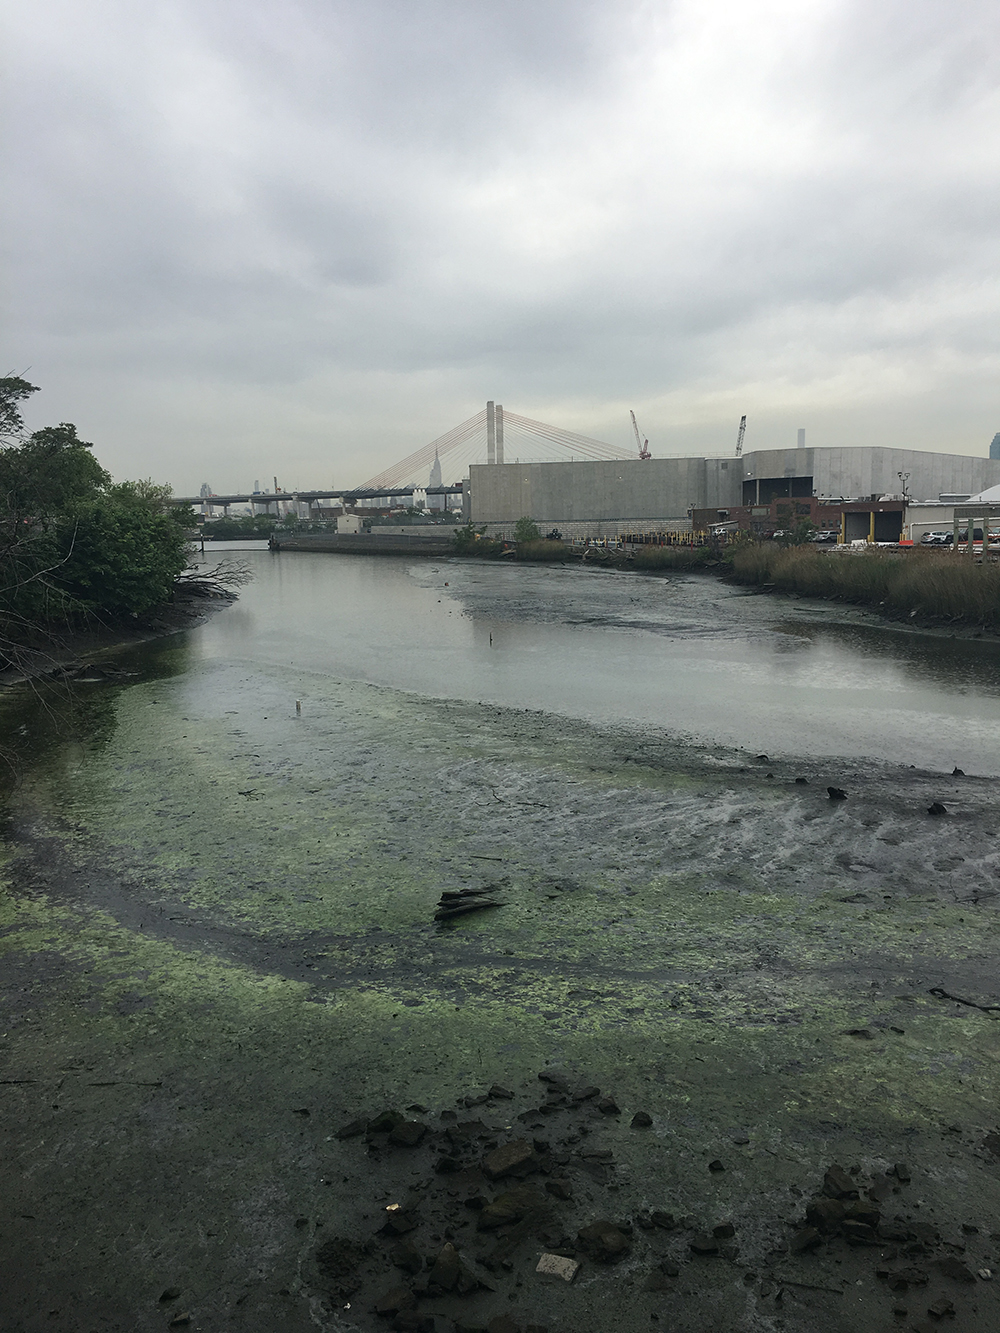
pixel 684 654
pixel 218 940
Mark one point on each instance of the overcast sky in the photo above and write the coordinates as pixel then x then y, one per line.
pixel 303 237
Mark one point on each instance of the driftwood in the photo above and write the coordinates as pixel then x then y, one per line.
pixel 459 902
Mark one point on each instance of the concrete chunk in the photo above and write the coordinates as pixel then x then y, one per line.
pixel 557 1265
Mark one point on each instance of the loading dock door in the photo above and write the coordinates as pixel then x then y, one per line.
pixel 856 527
pixel 889 526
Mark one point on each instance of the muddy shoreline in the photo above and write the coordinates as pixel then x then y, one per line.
pixel 69 649
pixel 220 950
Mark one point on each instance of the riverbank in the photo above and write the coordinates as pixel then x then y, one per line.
pixel 930 589
pixel 69 651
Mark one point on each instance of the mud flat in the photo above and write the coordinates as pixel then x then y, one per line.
pixel 221 971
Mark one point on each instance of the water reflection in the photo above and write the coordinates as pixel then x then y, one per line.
pixel 683 653
pixel 52 724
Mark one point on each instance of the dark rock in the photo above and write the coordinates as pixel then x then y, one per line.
pixel 476 1099
pixel 937 809
pixel 954 1268
pixel 180 1320
pixel 863 1033
pixel 824 1213
pixel 408 1133
pixel 662 1219
pixel 642 1120
pixel 447 1166
pixel 603 1241
pixel 859 1210
pixel 384 1123
pixel 447 1270
pixel 585 1093
pixel 702 1244
pixel 555 1079
pixel 802 782
pixel 836 793
pixel 500 1094
pixel 881 1189
pixel 859 1233
pixel 405 1255
pixel 763 759
pixel 608 1106
pixel 397 1298
pixel 893 1231
pixel 958 772
pixel 716 1165
pixel 559 1189
pixel 351 1130
pixel 991 1143
pixel 806 1239
pixel 508 1157
pixel 902 1172
pixel 724 1231
pixel 901 1278
pixel 398 1222
pixel 170 1294
pixel 941 1308
pixel 837 1184
pixel 510 1207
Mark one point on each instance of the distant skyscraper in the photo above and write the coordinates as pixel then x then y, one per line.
pixel 207 490
pixel 801 441
pixel 995 446
pixel 435 479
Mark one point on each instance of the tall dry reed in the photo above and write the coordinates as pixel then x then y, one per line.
pixel 925 582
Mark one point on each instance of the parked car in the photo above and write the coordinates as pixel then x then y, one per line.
pixel 937 539
pixel 826 535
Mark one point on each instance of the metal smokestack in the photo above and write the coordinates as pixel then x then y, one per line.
pixel 801 443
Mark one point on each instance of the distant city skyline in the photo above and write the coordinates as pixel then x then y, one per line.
pixel 255 239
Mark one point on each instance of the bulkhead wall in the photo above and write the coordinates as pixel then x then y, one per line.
pixel 553 493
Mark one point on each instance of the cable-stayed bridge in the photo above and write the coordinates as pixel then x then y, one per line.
pixel 437 468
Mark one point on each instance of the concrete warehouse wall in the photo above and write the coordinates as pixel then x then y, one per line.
pixel 666 488
pixel 661 488
pixel 851 472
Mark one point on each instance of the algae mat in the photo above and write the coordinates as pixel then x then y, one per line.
pixel 219 946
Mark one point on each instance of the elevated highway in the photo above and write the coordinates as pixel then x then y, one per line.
pixel 264 499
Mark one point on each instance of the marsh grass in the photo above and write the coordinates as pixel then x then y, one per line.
pixel 673 557
pixel 923 582
pixel 543 550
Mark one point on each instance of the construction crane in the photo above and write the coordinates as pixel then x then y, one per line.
pixel 739 438
pixel 643 444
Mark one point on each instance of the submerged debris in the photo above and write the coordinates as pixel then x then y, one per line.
pixel 457 902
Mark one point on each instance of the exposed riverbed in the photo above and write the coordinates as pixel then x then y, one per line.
pixel 219 917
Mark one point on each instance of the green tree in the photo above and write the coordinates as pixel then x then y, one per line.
pixel 526 530
pixel 122 550
pixel 13 391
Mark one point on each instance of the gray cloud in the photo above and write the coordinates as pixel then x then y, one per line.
pixel 309 236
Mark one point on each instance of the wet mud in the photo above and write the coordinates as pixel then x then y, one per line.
pixel 219 950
